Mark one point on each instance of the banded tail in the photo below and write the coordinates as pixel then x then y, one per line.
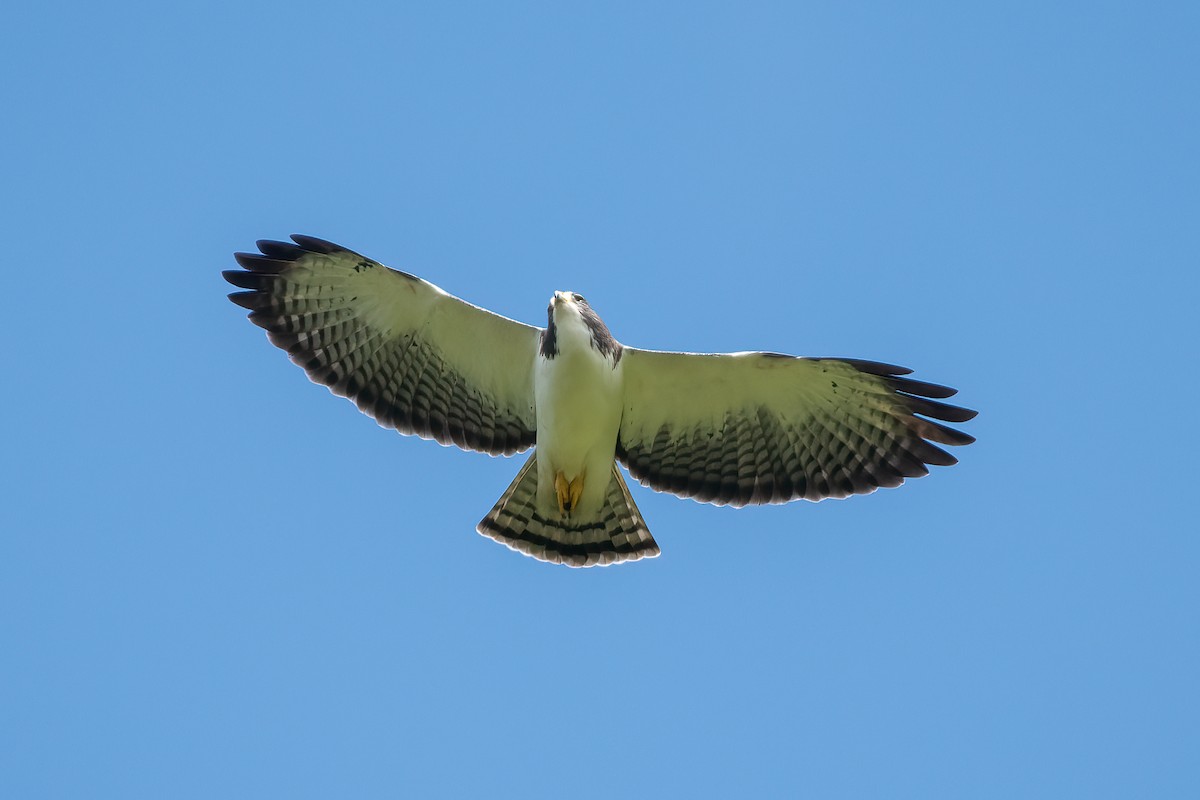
pixel 619 534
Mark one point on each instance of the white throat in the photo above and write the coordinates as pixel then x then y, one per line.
pixel 572 332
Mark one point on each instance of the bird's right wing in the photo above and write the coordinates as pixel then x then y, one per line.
pixel 407 353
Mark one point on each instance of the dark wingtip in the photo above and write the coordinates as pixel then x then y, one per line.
pixel 284 251
pixel 247 300
pixel 260 263
pixel 273 258
pixel 242 279
pixel 942 434
pixel 962 438
pixel 910 386
pixel 936 410
pixel 937 457
pixel 315 245
pixel 872 367
pixel 967 414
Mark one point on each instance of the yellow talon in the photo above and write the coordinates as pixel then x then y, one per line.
pixel 576 491
pixel 567 492
pixel 563 489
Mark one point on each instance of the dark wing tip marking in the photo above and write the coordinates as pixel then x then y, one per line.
pixel 936 410
pixel 315 245
pixel 913 393
pixel 273 259
pixel 247 300
pixel 260 263
pixel 922 388
pixel 242 279
pixel 285 252
pixel 943 434
pixel 871 367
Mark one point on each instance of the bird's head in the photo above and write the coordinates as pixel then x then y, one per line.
pixel 566 299
pixel 569 312
pixel 566 308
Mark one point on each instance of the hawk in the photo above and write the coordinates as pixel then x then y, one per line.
pixel 728 429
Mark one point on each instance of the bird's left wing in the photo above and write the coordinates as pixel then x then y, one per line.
pixel 407 353
pixel 743 428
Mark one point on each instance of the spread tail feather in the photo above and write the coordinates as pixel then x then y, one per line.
pixel 618 534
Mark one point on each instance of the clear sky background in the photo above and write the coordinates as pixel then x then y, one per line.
pixel 217 580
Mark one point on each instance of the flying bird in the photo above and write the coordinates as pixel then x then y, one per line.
pixel 729 429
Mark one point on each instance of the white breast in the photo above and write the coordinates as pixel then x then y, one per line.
pixel 578 394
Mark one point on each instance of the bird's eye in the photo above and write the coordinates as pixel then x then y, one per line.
pixel 578 298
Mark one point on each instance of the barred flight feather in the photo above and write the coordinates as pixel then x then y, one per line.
pixel 408 354
pixel 750 428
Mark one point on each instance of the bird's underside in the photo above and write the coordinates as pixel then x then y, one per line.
pixel 728 429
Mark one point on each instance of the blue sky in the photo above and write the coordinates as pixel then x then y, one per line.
pixel 218 580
